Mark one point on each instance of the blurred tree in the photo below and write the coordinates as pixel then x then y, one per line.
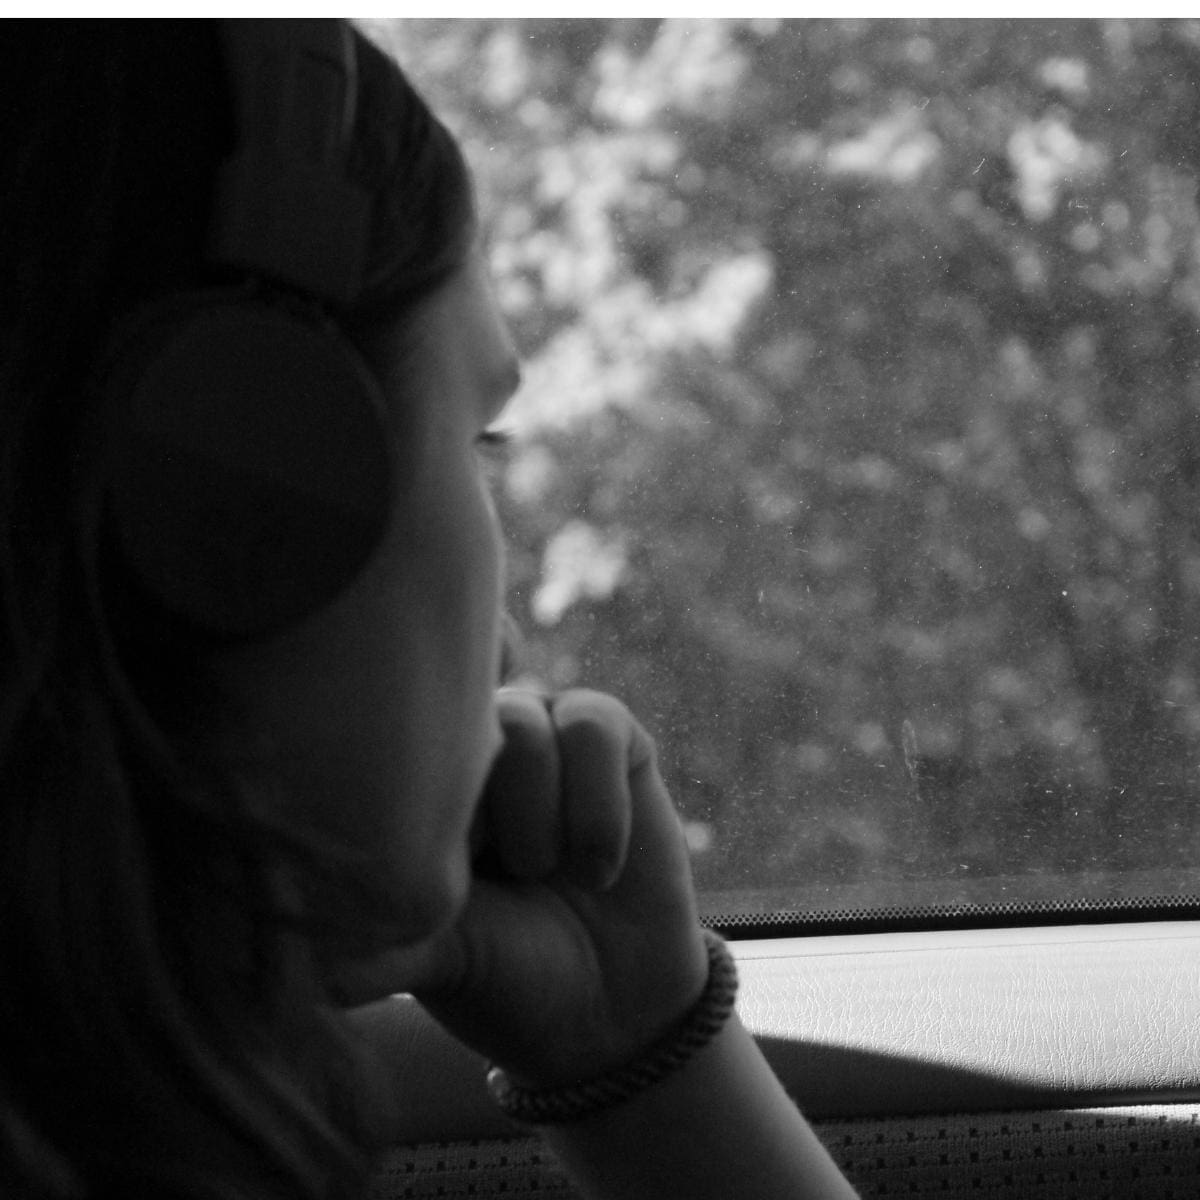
pixel 860 442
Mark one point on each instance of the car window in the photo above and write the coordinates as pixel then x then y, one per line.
pixel 859 448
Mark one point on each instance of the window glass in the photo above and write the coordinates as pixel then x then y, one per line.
pixel 860 444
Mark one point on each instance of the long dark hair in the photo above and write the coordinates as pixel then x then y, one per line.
pixel 162 1028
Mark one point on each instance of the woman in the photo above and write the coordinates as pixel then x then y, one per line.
pixel 254 767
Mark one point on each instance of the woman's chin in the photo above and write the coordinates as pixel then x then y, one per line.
pixel 407 942
pixel 427 898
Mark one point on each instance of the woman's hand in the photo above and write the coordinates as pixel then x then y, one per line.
pixel 580 944
pixel 580 941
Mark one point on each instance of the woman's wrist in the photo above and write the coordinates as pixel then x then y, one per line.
pixel 663 1057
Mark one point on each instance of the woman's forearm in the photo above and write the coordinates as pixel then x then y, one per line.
pixel 721 1127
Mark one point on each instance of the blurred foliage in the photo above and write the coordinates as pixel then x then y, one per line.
pixel 860 444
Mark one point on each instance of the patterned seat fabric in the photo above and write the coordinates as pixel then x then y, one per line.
pixel 1129 1153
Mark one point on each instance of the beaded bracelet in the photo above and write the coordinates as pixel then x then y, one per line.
pixel 573 1102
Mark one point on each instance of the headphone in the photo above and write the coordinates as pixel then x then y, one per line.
pixel 247 462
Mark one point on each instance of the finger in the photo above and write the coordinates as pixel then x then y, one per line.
pixel 597 740
pixel 521 797
pixel 657 830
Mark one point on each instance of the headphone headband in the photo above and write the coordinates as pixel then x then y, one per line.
pixel 285 206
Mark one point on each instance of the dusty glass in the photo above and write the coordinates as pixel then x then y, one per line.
pixel 860 444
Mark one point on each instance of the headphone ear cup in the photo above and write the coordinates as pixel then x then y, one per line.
pixel 249 466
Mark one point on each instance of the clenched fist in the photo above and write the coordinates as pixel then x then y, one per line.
pixel 579 942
